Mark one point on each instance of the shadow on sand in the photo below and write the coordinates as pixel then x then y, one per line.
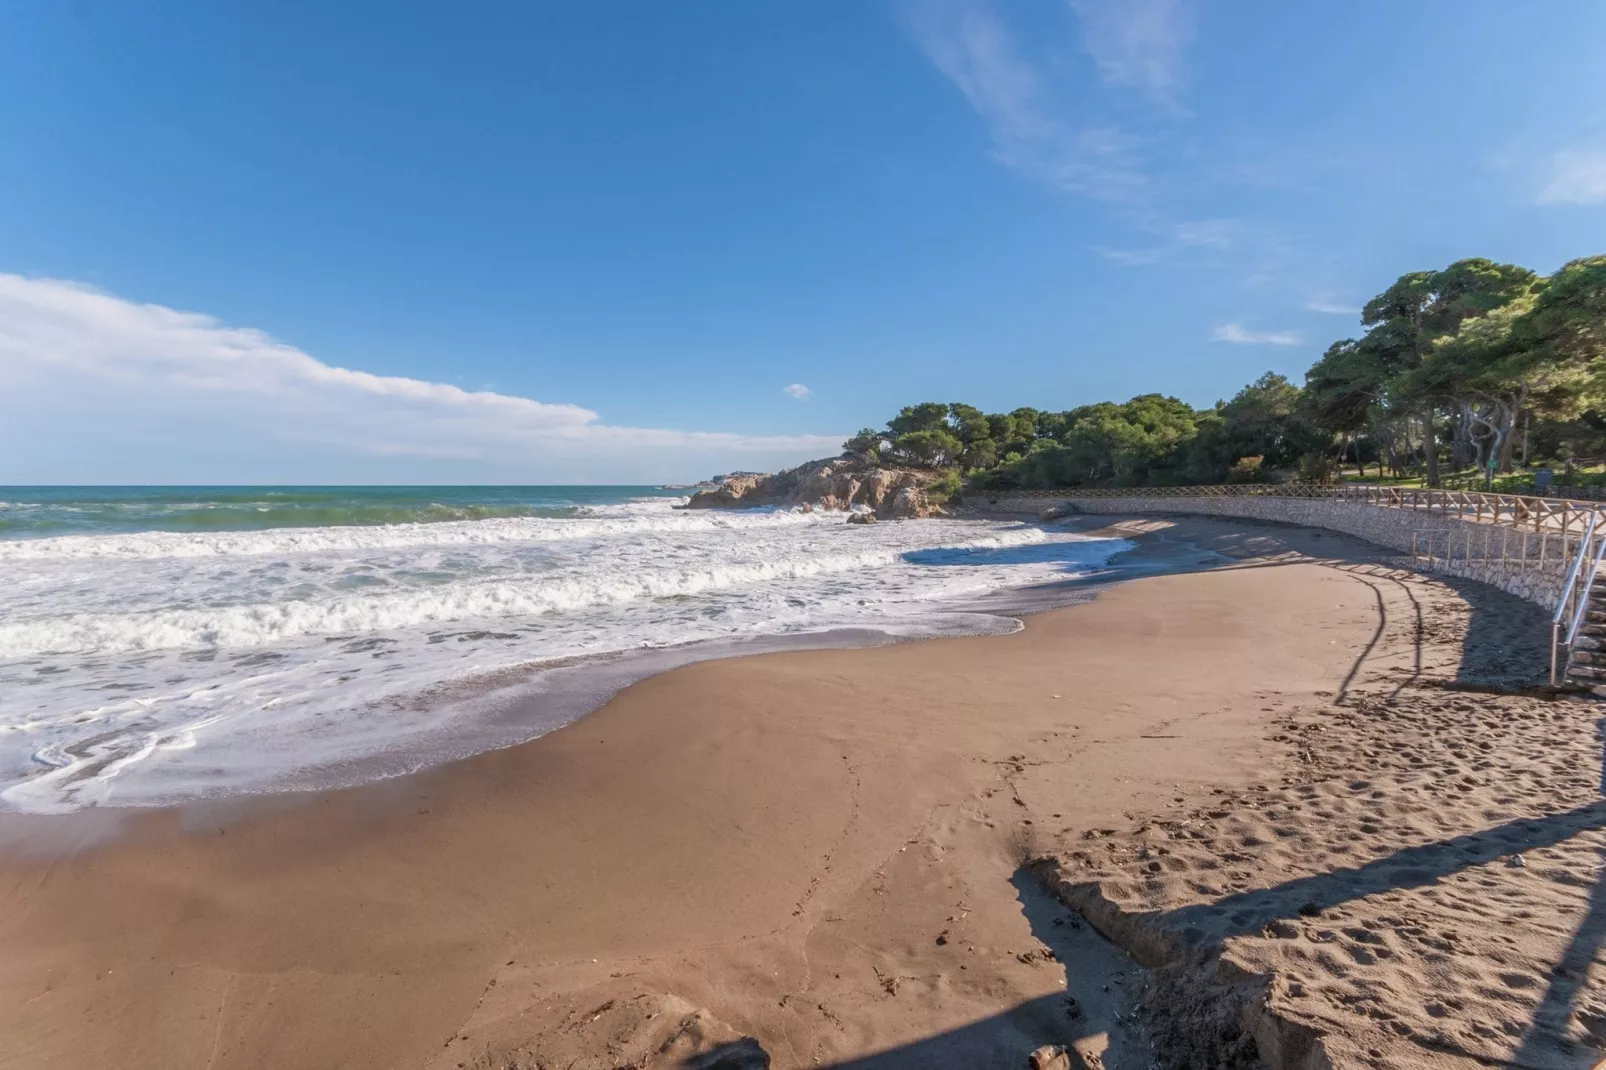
pixel 1506 644
pixel 1002 1040
pixel 1005 1039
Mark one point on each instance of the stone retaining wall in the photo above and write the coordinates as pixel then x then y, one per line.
pixel 1385 526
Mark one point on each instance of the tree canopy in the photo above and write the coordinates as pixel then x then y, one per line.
pixel 1452 365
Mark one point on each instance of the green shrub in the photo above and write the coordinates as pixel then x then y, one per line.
pixel 942 489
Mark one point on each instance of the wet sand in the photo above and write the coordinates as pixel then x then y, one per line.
pixel 819 850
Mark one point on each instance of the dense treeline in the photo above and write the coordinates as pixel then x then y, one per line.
pixel 1480 365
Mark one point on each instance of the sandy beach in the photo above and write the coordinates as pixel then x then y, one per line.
pixel 864 858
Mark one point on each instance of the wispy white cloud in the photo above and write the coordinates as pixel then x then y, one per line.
pixel 1331 307
pixel 1238 334
pixel 1137 43
pixel 971 47
pixel 1216 233
pixel 799 391
pixel 77 357
pixel 1178 238
pixel 1135 257
pixel 1576 176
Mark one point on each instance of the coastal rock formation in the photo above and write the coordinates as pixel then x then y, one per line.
pixel 839 483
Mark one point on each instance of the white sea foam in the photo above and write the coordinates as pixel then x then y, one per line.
pixel 627 522
pixel 147 667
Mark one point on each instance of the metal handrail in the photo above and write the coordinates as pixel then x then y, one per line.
pixel 1583 593
pixel 1578 564
pixel 1571 595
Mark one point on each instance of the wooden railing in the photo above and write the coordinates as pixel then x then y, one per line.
pixel 1522 511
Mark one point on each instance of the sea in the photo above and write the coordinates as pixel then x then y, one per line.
pixel 161 645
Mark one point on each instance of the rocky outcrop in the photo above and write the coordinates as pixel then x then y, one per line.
pixel 840 483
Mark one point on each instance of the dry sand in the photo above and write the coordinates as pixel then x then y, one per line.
pixel 829 856
pixel 1422 885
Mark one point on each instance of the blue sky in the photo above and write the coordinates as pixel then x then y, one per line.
pixel 599 242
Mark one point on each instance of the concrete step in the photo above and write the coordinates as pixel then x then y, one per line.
pixel 1589 641
pixel 1585 672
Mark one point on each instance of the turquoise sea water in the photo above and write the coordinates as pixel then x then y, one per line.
pixel 35 511
pixel 159 644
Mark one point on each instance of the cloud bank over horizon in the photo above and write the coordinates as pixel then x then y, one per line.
pixel 96 388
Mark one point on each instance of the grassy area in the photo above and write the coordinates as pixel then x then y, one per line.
pixel 1471 479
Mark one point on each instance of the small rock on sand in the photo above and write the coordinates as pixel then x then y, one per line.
pixel 1050 1057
